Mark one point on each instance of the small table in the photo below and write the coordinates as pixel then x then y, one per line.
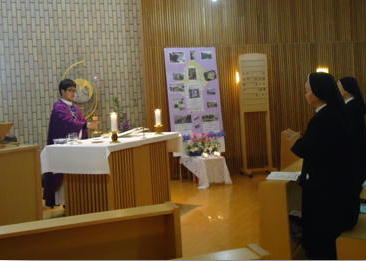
pixel 208 170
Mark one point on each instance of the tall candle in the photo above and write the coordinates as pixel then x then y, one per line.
pixel 157 117
pixel 114 125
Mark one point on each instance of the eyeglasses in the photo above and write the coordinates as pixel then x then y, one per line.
pixel 71 89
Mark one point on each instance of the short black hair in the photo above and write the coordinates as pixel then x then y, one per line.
pixel 64 84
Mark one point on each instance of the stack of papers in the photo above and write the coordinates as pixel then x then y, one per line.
pixel 280 175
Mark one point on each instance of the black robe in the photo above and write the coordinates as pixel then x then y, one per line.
pixel 355 116
pixel 326 180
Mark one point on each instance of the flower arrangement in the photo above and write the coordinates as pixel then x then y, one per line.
pixel 204 143
pixel 122 116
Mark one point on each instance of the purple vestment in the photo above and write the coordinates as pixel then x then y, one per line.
pixel 64 120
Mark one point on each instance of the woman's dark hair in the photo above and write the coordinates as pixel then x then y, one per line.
pixel 64 84
pixel 324 86
pixel 351 86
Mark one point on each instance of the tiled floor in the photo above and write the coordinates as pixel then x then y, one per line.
pixel 219 218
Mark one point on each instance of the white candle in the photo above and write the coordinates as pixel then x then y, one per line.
pixel 205 155
pixel 157 117
pixel 114 125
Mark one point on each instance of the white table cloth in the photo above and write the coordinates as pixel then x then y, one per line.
pixel 89 157
pixel 208 170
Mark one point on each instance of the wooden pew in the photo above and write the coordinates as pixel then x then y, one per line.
pixel 288 138
pixel 149 232
pixel 351 244
pixel 277 198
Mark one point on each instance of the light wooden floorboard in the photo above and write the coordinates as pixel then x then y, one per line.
pixel 219 218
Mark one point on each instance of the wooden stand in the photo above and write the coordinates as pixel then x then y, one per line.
pixel 254 99
pixel 20 184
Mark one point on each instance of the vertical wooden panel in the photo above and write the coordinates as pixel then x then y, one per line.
pixel 80 197
pixel 358 24
pixel 122 172
pixel 159 163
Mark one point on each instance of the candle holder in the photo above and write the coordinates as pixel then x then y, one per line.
pixel 114 137
pixel 158 129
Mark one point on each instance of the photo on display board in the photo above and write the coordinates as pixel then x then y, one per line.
pixel 211 91
pixel 178 76
pixel 182 119
pixel 177 57
pixel 211 104
pixel 197 126
pixel 209 117
pixel 192 55
pixel 194 93
pixel 207 55
pixel 210 75
pixel 179 104
pixel 192 73
pixel 177 87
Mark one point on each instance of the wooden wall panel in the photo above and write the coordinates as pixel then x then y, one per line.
pixel 296 35
pixel 360 64
pixel 358 14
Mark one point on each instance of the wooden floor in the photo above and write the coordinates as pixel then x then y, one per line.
pixel 219 218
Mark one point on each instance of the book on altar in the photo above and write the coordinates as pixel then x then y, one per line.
pixel 281 175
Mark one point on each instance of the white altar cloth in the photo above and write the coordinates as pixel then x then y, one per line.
pixel 208 170
pixel 88 157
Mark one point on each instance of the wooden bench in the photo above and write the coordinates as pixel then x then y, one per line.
pixel 149 232
pixel 351 244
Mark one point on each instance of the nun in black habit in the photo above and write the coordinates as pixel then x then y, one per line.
pixel 355 111
pixel 326 176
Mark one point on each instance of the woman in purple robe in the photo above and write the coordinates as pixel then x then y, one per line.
pixel 65 118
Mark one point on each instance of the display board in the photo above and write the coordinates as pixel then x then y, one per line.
pixel 254 78
pixel 193 92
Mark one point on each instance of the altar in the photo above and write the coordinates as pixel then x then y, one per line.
pixel 101 176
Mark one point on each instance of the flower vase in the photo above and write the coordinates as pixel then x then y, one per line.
pixel 194 154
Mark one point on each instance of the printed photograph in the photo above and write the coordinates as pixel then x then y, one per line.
pixel 211 104
pixel 209 117
pixel 206 55
pixel 178 76
pixel 192 73
pixel 177 57
pixel 183 119
pixel 192 54
pixel 210 75
pixel 211 91
pixel 178 87
pixel 179 104
pixel 194 93
pixel 197 126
